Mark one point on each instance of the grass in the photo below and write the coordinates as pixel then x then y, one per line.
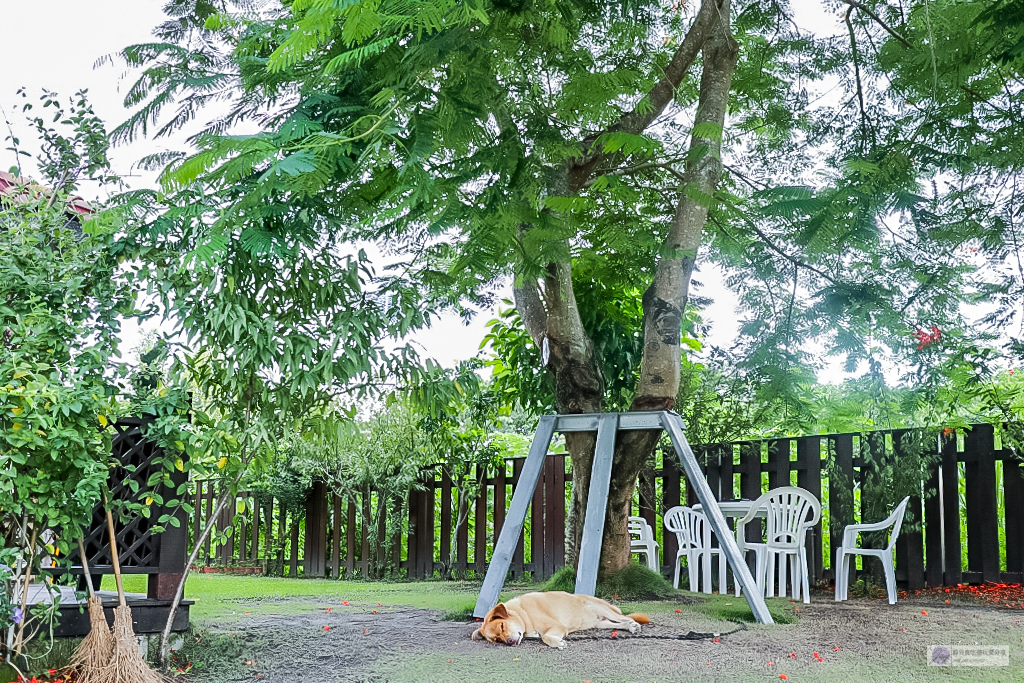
pixel 218 596
pixel 222 597
pixel 729 608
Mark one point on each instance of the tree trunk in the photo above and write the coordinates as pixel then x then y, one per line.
pixel 549 311
pixel 665 299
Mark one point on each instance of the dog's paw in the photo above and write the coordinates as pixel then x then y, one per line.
pixel 554 641
pixel 634 627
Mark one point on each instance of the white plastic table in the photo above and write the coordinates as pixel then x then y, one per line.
pixel 736 508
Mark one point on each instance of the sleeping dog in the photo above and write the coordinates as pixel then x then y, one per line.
pixel 552 615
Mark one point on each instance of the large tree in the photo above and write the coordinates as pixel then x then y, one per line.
pixel 573 143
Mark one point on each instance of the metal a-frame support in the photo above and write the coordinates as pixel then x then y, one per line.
pixel 607 426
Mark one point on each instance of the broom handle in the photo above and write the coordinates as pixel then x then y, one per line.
pixel 113 555
pixel 85 567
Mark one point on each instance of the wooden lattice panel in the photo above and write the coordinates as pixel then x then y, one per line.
pixel 138 547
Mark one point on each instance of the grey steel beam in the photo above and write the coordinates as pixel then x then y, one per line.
pixel 641 420
pixel 584 422
pixel 597 504
pixel 673 424
pixel 501 558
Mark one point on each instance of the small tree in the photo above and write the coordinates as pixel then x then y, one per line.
pixel 63 294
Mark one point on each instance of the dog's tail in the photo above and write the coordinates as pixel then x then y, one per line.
pixel 640 618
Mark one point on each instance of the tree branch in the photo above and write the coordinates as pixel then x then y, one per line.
pixel 865 120
pixel 650 107
pixel 646 166
pixel 878 20
pixel 771 245
pixel 531 310
pixel 664 301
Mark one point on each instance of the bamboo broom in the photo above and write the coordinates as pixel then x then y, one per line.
pixel 92 657
pixel 127 664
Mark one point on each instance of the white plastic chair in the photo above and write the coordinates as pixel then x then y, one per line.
pixel 849 548
pixel 642 541
pixel 693 536
pixel 791 512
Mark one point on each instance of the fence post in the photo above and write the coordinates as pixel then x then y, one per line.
pixel 808 476
pixel 982 516
pixel 952 550
pixel 335 536
pixel 254 548
pixel 1013 488
pixel 519 551
pixel 933 520
pixel 671 496
pixel 293 561
pixel 364 532
pixel 173 547
pixel 909 552
pixel 499 502
pixel 840 495
pixel 350 540
pixel 557 511
pixel 537 525
pixel 315 555
pixel 446 520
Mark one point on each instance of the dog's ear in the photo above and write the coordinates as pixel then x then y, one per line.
pixel 477 635
pixel 497 612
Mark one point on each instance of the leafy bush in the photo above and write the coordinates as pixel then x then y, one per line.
pixel 63 292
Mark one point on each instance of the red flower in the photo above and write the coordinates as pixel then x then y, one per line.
pixel 925 338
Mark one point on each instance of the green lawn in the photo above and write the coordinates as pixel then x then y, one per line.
pixel 218 596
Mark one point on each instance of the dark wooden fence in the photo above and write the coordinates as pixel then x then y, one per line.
pixel 965 521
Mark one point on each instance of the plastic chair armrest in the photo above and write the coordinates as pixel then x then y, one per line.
pixel 878 526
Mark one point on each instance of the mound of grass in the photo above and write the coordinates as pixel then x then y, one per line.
pixel 634 583
pixel 562 580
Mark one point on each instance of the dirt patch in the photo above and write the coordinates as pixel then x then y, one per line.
pixel 865 640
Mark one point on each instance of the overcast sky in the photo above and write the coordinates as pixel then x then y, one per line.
pixel 54 45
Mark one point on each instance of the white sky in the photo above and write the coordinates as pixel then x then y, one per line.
pixel 54 44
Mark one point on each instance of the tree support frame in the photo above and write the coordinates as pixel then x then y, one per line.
pixel 607 426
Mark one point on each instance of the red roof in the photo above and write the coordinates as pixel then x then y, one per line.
pixel 22 190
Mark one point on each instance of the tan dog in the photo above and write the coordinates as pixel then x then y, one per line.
pixel 551 616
